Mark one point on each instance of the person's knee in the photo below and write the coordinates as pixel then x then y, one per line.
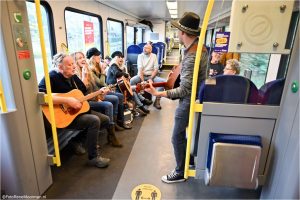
pixel 93 120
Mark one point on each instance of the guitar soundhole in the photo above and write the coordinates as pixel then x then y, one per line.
pixel 72 111
pixel 69 110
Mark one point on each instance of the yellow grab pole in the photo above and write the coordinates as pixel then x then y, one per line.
pixel 56 158
pixel 188 172
pixel 2 99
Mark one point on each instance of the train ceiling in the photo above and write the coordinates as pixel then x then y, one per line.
pixel 140 8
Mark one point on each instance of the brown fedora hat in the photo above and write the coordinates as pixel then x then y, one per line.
pixel 189 23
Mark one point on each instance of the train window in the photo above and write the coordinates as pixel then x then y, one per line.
pixel 139 36
pixel 115 32
pixel 208 38
pixel 35 37
pixel 129 35
pixel 258 64
pixel 83 30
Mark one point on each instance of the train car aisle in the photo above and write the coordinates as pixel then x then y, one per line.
pixel 152 157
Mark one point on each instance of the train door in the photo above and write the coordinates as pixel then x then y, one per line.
pixel 24 165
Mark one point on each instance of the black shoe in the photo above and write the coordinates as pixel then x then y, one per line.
pixel 118 128
pixel 140 113
pixel 126 126
pixel 173 177
pixel 147 102
pixel 145 110
pixel 99 162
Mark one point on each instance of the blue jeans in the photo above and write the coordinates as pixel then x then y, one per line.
pixel 136 79
pixel 179 133
pixel 103 107
pixel 114 100
pixel 120 108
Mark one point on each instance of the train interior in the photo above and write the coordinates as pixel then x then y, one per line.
pixel 253 117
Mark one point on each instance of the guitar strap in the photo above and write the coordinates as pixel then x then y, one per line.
pixel 74 83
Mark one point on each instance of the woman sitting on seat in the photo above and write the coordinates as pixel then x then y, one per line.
pixel 97 104
pixel 117 70
pixel 116 98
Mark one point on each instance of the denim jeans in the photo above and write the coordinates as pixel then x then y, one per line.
pixel 136 79
pixel 104 107
pixel 120 108
pixel 179 133
pixel 91 124
pixel 115 102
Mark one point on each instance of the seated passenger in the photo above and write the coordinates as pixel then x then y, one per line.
pixel 63 80
pixel 117 70
pixel 97 104
pixel 215 67
pixel 232 67
pixel 147 70
pixel 99 77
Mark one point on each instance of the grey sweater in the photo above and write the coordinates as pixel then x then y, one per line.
pixel 186 74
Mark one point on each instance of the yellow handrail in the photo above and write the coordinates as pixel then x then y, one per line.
pixel 2 99
pixel 48 98
pixel 188 172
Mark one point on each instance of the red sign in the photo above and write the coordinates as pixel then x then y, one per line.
pixel 23 54
pixel 88 32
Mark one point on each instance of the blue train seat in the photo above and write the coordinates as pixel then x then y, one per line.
pixel 270 93
pixel 141 45
pixel 158 54
pixel 155 50
pixel 132 54
pixel 233 160
pixel 163 47
pixel 228 89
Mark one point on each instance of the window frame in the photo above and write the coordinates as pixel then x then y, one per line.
pixel 49 12
pixel 122 23
pixel 71 9
pixel 127 35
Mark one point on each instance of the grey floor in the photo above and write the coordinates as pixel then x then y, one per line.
pixel 152 157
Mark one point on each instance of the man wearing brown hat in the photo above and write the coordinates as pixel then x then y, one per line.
pixel 188 34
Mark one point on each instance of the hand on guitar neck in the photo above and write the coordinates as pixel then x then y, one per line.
pixel 173 79
pixel 140 87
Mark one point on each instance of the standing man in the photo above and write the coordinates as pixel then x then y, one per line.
pixel 188 34
pixel 147 70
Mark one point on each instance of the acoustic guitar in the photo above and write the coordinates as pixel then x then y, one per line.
pixel 124 86
pixel 64 115
pixel 172 81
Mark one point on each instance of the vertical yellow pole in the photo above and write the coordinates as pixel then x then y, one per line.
pixel 188 172
pixel 49 100
pixel 2 99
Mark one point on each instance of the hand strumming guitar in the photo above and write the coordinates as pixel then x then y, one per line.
pixel 69 101
pixel 153 91
pixel 150 89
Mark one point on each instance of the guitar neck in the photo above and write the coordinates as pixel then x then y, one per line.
pixel 158 84
pixel 90 96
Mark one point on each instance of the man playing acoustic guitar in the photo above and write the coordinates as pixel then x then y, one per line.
pixel 188 34
pixel 63 80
